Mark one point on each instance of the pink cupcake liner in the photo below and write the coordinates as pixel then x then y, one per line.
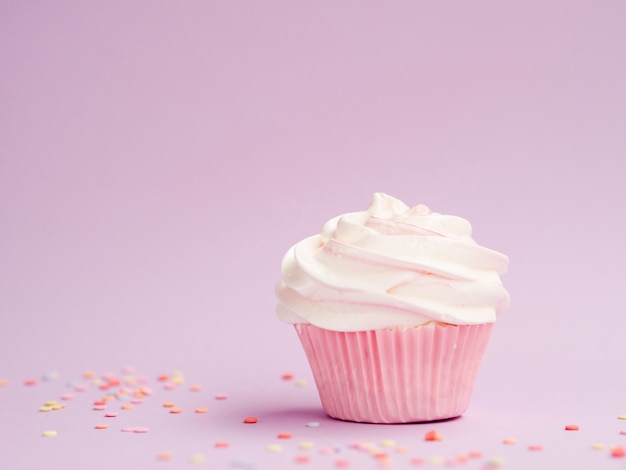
pixel 395 375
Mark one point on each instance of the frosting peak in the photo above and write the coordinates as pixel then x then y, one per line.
pixel 391 265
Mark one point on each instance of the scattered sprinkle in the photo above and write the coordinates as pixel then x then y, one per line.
pixel 571 427
pixel 618 451
pixel 176 410
pixel 388 443
pixel 163 378
pixel 475 454
pixel 274 448
pixel 111 414
pixel 495 462
pixel 222 444
pixel 67 396
pixel 432 435
pixel 598 446
pixel 342 463
pixel 402 450
pixel 197 458
pixel 250 420
pixel 312 424
pixel 127 429
pixel 417 461
pixel 305 445
pixel 168 404
pixel 127 406
pixel 621 417
pixel 101 426
pixel 509 440
pixel 202 410
pixel 221 396
pixel 287 376
pixel 3 382
pixel 623 432
pixel 535 447
pixel 300 382
pixel 284 435
pixel 164 456
pixel 99 407
pixel 141 430
pixel 89 374
pixel 49 434
pixel 45 408
pixel 302 459
pixel 195 388
pixel 30 382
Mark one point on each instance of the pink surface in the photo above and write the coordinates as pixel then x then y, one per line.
pixel 158 158
pixel 395 375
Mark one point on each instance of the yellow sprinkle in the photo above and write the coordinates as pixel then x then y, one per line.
pixel 437 461
pixel 49 434
pixel 388 443
pixel 45 408
pixel 305 445
pixel 621 417
pixel 300 382
pixel 274 448
pixel 50 403
pixel 178 380
pixel 57 407
pixel 109 398
pixel 496 462
pixel 197 458
pixel 598 446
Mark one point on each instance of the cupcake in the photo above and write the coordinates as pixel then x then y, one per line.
pixel 394 307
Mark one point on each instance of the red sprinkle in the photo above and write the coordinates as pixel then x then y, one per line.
pixel 618 451
pixel 535 447
pixel 284 435
pixel 571 427
pixel 250 420
pixel 287 376
pixel 302 459
pixel 221 444
pixel 30 382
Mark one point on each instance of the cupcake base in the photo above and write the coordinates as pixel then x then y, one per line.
pixel 395 375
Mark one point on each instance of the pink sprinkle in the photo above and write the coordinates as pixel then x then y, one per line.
pixel 128 370
pixel 99 407
pixel 221 396
pixel 169 386
pixel 146 391
pixel 136 401
pixel 623 432
pixel 140 430
pixel 67 396
pixel 81 388
pixel 128 430
pixel 475 455
pixel 142 379
pixel 302 459
pixel 417 461
pixel 327 450
pixel 111 414
pixel 571 427
pixel 535 447
pixel 342 463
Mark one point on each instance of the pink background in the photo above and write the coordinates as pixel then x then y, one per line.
pixel 158 158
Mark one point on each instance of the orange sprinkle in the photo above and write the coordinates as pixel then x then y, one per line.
pixel 221 444
pixel 89 374
pixel 101 426
pixel 99 402
pixel 535 447
pixel 509 440
pixel 284 435
pixel 3 382
pixel 127 406
pixel 168 404
pixel 202 410
pixel 109 398
pixel 30 382
pixel 164 456
pixel 287 376
pixel 250 420
pixel 176 410
pixel 433 436
pixel 571 427
pixel 163 378
pixel 195 388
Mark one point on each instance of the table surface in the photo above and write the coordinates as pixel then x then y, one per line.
pixel 157 160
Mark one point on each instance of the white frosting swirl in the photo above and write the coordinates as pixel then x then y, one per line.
pixel 391 265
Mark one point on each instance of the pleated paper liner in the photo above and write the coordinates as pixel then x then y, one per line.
pixel 395 375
